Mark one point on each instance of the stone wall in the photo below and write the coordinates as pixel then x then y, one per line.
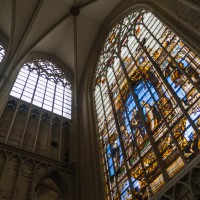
pixel 34 129
pixel 21 173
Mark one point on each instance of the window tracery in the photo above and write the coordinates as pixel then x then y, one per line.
pixel 37 113
pixel 41 83
pixel 147 97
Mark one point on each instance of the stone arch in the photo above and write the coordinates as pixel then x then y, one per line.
pixel 3 161
pixel 54 59
pixel 30 166
pixel 43 56
pixel 26 177
pixel 158 10
pixel 11 176
pixel 180 190
pixel 62 180
pixel 194 180
pixel 12 73
pixel 42 166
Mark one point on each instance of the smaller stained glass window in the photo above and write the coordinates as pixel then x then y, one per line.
pixel 41 83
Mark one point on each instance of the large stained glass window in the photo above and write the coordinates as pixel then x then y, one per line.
pixel 147 97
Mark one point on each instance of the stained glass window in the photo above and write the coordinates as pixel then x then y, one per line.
pixel 41 83
pixel 2 52
pixel 147 99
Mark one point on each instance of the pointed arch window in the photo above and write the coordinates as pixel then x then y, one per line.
pixel 37 115
pixel 147 99
pixel 41 83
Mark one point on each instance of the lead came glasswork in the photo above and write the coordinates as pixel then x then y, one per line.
pixel 41 83
pixel 147 97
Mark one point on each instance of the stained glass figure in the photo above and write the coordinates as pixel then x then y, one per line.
pixel 147 98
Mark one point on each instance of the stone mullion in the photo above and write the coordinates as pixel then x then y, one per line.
pixel 177 120
pixel 107 172
pixel 104 111
pixel 173 60
pixel 40 116
pixel 120 139
pixel 32 191
pixel 29 111
pixel 195 65
pixel 17 182
pixel 158 70
pixel 137 148
pixel 143 120
pixel 61 128
pixel 193 59
pixel 160 112
pixel 4 167
pixel 105 155
pixel 51 120
pixel 16 110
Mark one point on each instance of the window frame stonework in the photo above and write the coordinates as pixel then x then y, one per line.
pixel 44 71
pixel 58 127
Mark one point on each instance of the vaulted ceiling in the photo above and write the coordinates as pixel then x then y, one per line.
pixel 48 26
